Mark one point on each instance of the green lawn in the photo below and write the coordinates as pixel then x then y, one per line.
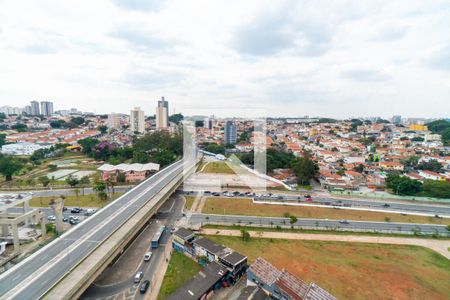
pixel 355 270
pixel 217 167
pixel 90 200
pixel 189 202
pixel 181 268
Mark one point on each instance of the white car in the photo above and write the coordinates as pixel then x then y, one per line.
pixel 148 256
pixel 138 277
pixel 51 218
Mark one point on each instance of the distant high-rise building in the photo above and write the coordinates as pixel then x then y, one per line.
pixel 8 110
pixel 73 111
pixel 27 109
pixel 137 120
pixel 396 119
pixel 208 123
pixel 230 133
pixel 114 120
pixel 162 114
pixel 35 108
pixel 47 108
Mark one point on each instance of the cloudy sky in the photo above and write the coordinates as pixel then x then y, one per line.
pixel 286 58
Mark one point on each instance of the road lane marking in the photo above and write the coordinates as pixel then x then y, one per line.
pixel 73 247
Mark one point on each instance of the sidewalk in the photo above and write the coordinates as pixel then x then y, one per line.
pixel 440 246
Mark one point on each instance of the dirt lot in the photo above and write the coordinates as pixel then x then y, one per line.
pixel 355 270
pixel 234 206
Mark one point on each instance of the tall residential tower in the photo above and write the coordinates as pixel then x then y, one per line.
pixel 162 114
pixel 137 121
pixel 47 108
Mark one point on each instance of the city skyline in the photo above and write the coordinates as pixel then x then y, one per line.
pixel 286 57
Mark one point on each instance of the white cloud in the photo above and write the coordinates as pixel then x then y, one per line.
pixel 291 57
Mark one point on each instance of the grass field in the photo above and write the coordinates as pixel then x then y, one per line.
pixel 189 201
pixel 234 206
pixel 181 268
pixel 217 167
pixel 355 270
pixel 84 201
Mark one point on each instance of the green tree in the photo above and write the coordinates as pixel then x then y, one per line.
pixel 103 129
pixel 411 161
pixel 403 185
pixel 431 165
pixel 176 118
pixel 72 181
pixel 9 165
pixel 103 196
pixel 305 169
pixel 121 177
pixel 44 180
pixel 293 220
pixel 2 139
pixel 436 188
pixel 58 124
pixel 88 145
pixel 245 235
pixel 77 120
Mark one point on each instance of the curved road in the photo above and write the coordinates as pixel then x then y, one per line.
pixel 34 276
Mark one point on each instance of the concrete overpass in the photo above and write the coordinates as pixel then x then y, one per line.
pixel 67 266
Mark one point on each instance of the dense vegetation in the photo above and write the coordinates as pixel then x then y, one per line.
pixel 158 147
pixel 10 165
pixel 304 167
pixel 441 127
pixel 213 148
pixel 403 185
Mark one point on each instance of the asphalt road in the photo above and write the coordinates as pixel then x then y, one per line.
pixel 68 192
pixel 321 224
pixel 430 209
pixel 34 276
pixel 127 286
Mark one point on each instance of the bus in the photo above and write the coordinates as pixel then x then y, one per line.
pixel 157 237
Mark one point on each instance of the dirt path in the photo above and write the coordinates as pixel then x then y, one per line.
pixel 440 246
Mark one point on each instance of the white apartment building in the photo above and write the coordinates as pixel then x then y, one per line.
pixel 113 121
pixel 137 120
pixel 23 148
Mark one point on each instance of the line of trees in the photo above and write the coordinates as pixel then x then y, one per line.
pixel 402 185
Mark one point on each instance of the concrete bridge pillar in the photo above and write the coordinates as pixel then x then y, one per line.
pixel 57 205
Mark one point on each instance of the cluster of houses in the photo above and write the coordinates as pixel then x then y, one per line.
pixel 131 172
pixel 350 156
pixel 223 267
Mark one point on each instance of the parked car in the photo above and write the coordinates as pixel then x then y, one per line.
pixel 73 221
pixel 51 218
pixel 215 194
pixel 144 286
pixel 148 256
pixel 65 219
pixel 386 205
pixel 344 222
pixel 138 277
pixel 76 210
pixel 64 208
pixel 89 212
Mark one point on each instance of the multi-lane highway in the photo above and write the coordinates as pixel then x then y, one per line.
pixel 34 276
pixel 407 228
pixel 374 205
pixel 126 286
